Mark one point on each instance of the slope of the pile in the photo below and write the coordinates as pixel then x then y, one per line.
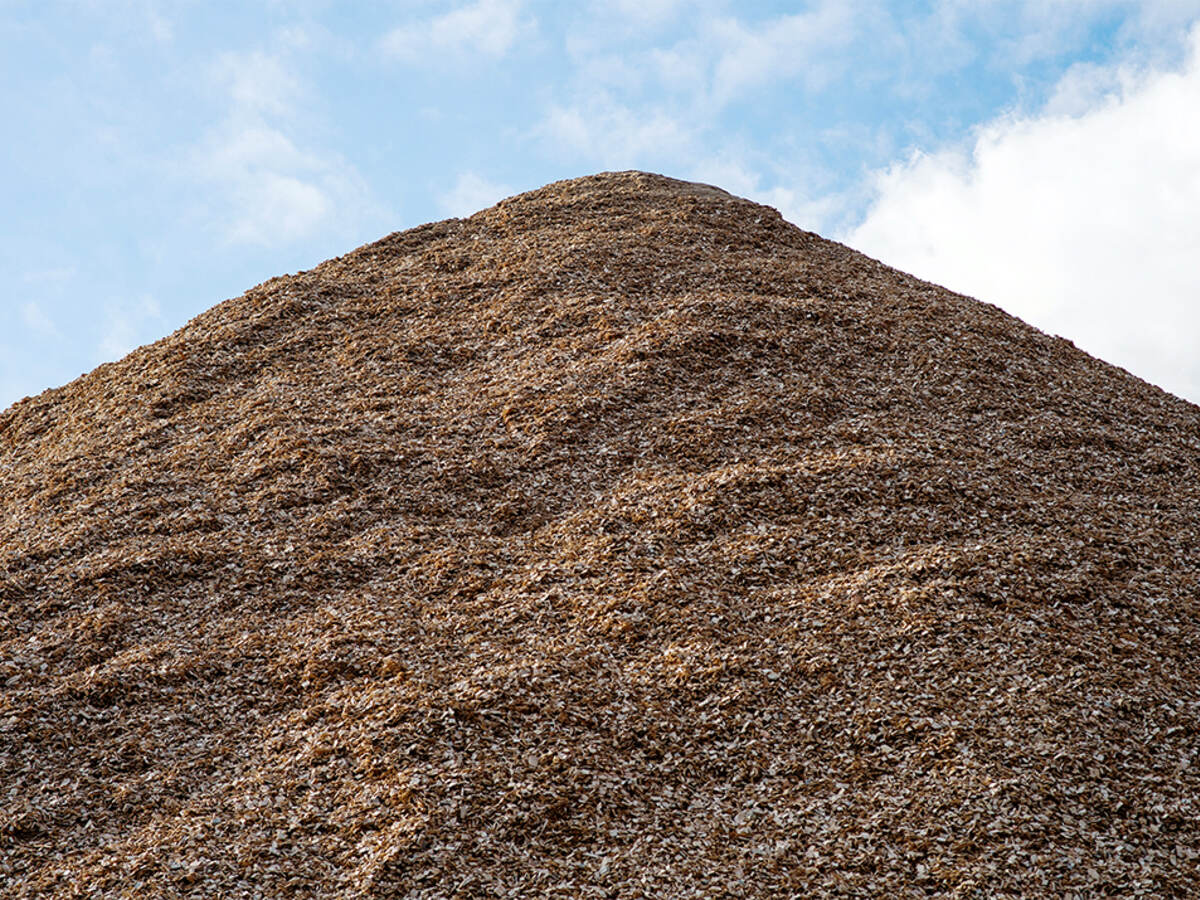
pixel 620 540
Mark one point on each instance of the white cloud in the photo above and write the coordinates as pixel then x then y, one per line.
pixel 1081 220
pixel 258 82
pixel 276 208
pixel 1042 27
pixel 136 19
pixel 486 27
pixel 37 321
pixel 1159 16
pixel 804 44
pixel 641 12
pixel 617 136
pixel 1021 31
pixel 160 26
pixel 470 194
pixel 1084 87
pixel 269 191
pixel 725 53
pixel 679 69
pixel 718 59
pixel 127 326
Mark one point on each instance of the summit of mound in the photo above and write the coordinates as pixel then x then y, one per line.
pixel 621 539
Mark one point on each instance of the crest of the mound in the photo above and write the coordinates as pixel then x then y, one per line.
pixel 645 184
pixel 646 187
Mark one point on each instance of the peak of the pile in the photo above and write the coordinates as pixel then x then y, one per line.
pixel 632 181
pixel 631 185
pixel 642 216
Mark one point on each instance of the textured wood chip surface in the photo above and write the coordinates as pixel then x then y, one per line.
pixel 621 540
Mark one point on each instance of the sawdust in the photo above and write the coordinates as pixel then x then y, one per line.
pixel 621 540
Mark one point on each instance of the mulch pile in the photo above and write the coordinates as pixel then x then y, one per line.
pixel 622 540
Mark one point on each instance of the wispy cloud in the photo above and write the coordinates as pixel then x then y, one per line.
pixel 804 45
pixel 641 12
pixel 139 19
pixel 490 28
pixel 717 56
pixel 258 82
pixel 612 134
pixel 269 190
pixel 127 325
pixel 37 321
pixel 1080 219
pixel 159 25
pixel 471 193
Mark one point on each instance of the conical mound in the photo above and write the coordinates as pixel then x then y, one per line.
pixel 620 540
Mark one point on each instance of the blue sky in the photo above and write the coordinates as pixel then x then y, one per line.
pixel 159 157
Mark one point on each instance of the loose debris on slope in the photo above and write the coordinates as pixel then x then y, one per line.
pixel 621 540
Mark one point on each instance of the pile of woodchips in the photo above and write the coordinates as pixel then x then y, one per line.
pixel 622 540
